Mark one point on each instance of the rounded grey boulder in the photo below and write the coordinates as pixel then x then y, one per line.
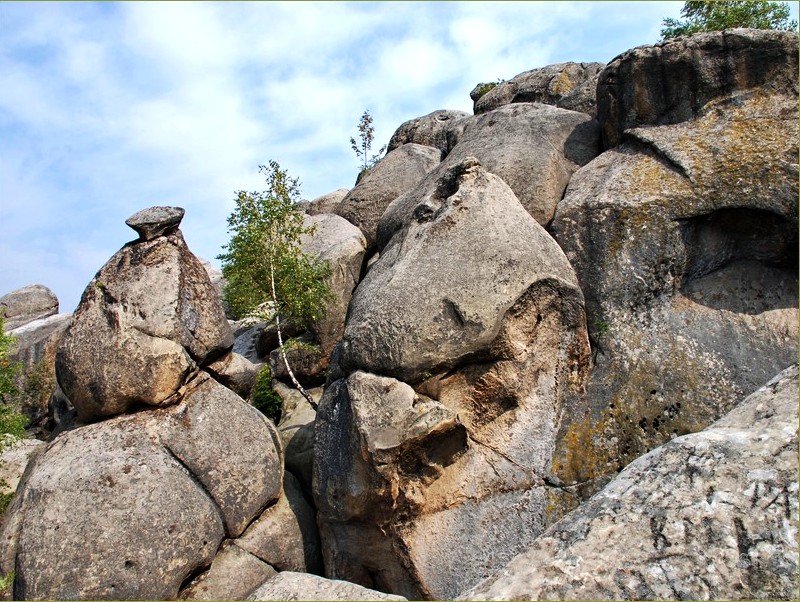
pixel 155 221
pixel 27 304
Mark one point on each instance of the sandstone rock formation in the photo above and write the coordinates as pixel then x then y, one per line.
pixel 684 240
pixel 147 321
pixel 27 304
pixel 429 130
pixel 674 81
pixel 566 85
pixel 398 171
pixel 301 586
pixel 182 499
pixel 711 516
pixel 35 350
pixel 403 477
pixel 327 203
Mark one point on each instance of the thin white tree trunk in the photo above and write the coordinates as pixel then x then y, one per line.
pixel 297 385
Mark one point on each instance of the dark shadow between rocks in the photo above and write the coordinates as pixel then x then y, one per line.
pixel 741 260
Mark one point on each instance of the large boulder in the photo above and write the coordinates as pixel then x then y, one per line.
pixel 673 81
pixel 327 203
pixel 27 304
pixel 708 516
pixel 403 475
pixel 140 502
pixel 290 585
pixel 567 85
pixel 35 349
pixel 684 239
pixel 534 148
pixel 393 175
pixel 342 246
pixel 428 130
pixel 147 321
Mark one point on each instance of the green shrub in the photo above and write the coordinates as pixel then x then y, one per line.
pixel 264 398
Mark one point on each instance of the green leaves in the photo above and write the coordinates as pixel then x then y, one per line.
pixel 719 15
pixel 12 422
pixel 266 269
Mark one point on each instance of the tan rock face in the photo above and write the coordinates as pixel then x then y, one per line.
pixel 27 304
pixel 684 239
pixel 711 515
pixel 404 475
pixel 139 502
pixel 566 85
pixel 673 81
pixel 398 171
pixel 146 321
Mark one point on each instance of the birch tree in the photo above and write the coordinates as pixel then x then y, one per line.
pixel 268 274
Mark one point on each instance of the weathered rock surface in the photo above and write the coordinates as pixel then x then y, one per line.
pixel 673 81
pixel 285 536
pixel 296 428
pixel 153 222
pixel 35 348
pixel 534 148
pixel 13 462
pixel 342 245
pixel 327 203
pixel 404 477
pixel 301 586
pixel 417 309
pixel 399 171
pixel 27 304
pixel 566 85
pixel 140 502
pixel 429 130
pixel 234 575
pixel 684 239
pixel 709 516
pixel 235 372
pixel 146 322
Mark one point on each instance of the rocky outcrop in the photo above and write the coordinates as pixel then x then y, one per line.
pixel 27 304
pixel 296 428
pixel 684 239
pixel 147 321
pixel 429 130
pixel 35 349
pixel 183 499
pixel 301 586
pixel 710 516
pixel 393 175
pixel 13 461
pixel 405 476
pixel 566 85
pixel 327 203
pixel 674 81
pixel 155 491
pixel 534 148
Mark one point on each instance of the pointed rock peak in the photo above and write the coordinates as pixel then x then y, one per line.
pixel 155 221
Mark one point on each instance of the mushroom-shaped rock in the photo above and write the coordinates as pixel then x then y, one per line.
pixel 145 323
pixel 155 221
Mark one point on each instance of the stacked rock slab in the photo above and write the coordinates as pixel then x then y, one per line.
pixel 27 304
pixel 463 344
pixel 142 501
pixel 708 516
pixel 684 239
pixel 146 322
pixel 566 85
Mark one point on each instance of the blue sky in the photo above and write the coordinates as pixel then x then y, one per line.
pixel 108 108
